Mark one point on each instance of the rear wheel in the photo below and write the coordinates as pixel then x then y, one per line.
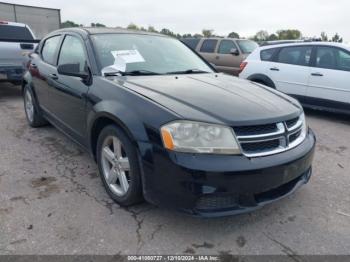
pixel 33 115
pixel 118 166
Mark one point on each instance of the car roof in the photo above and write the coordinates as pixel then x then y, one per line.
pixel 103 30
pixel 342 45
pixel 12 23
pixel 213 38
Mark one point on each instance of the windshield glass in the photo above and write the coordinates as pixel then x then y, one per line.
pixel 146 53
pixel 247 46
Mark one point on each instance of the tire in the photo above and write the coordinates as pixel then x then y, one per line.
pixel 33 114
pixel 114 169
pixel 17 83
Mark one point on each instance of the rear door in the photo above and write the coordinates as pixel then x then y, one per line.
pixel 207 50
pixel 68 93
pixel 330 76
pixel 42 69
pixel 290 69
pixel 225 60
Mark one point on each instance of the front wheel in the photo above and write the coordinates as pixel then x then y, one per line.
pixel 119 166
pixel 33 115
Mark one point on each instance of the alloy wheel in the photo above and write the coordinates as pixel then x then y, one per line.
pixel 29 106
pixel 115 166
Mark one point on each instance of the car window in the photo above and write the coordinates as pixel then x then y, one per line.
pixel 226 46
pixel 295 55
pixel 208 46
pixel 15 32
pixel 267 54
pixel 343 60
pixel 191 42
pixel 332 58
pixel 247 46
pixel 72 52
pixel 49 50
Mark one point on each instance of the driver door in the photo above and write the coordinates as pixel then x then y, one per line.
pixel 68 93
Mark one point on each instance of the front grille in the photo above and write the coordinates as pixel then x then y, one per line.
pixel 255 130
pixel 261 146
pixel 217 201
pixel 294 136
pixel 268 139
pixel 292 122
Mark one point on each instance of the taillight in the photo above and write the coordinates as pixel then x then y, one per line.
pixel 3 23
pixel 242 66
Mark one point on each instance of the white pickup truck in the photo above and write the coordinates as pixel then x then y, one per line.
pixel 16 42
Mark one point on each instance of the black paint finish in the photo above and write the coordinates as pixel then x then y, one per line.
pixel 140 105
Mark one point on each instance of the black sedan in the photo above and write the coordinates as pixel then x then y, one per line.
pixel 163 126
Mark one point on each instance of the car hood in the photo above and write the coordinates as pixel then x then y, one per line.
pixel 217 98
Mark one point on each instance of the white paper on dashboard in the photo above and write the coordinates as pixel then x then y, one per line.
pixel 128 56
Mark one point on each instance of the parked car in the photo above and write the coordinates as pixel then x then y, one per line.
pixel 225 54
pixel 278 42
pixel 16 42
pixel 163 125
pixel 316 73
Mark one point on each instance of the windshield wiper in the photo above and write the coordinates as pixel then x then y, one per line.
pixel 131 73
pixel 140 72
pixel 188 71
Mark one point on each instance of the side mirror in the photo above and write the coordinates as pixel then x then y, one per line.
pixel 72 70
pixel 234 51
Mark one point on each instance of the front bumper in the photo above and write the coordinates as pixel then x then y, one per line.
pixel 219 185
pixel 11 73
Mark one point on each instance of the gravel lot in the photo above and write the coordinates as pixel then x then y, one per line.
pixel 53 202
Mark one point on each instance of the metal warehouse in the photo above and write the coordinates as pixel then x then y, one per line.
pixel 41 20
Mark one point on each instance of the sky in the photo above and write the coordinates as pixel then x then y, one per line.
pixel 245 17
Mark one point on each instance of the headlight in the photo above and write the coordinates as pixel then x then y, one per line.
pixel 304 127
pixel 196 137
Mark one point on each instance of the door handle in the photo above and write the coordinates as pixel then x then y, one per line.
pixel 274 69
pixel 53 76
pixel 316 74
pixel 217 57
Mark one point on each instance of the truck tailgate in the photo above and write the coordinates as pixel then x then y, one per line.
pixel 15 53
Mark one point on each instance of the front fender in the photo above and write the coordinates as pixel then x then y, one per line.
pixel 122 115
pixel 27 77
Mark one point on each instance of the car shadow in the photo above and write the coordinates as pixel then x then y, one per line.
pixel 8 91
pixel 329 116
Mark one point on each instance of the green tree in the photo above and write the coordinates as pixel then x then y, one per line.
pixel 97 25
pixel 152 29
pixel 233 35
pixel 337 38
pixel 132 26
pixel 324 37
pixel 261 36
pixel 68 23
pixel 289 34
pixel 186 36
pixel 207 32
pixel 273 37
pixel 167 32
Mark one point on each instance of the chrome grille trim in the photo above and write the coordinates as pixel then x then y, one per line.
pixel 281 137
pixel 280 130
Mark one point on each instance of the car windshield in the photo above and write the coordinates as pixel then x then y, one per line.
pixel 146 54
pixel 247 46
